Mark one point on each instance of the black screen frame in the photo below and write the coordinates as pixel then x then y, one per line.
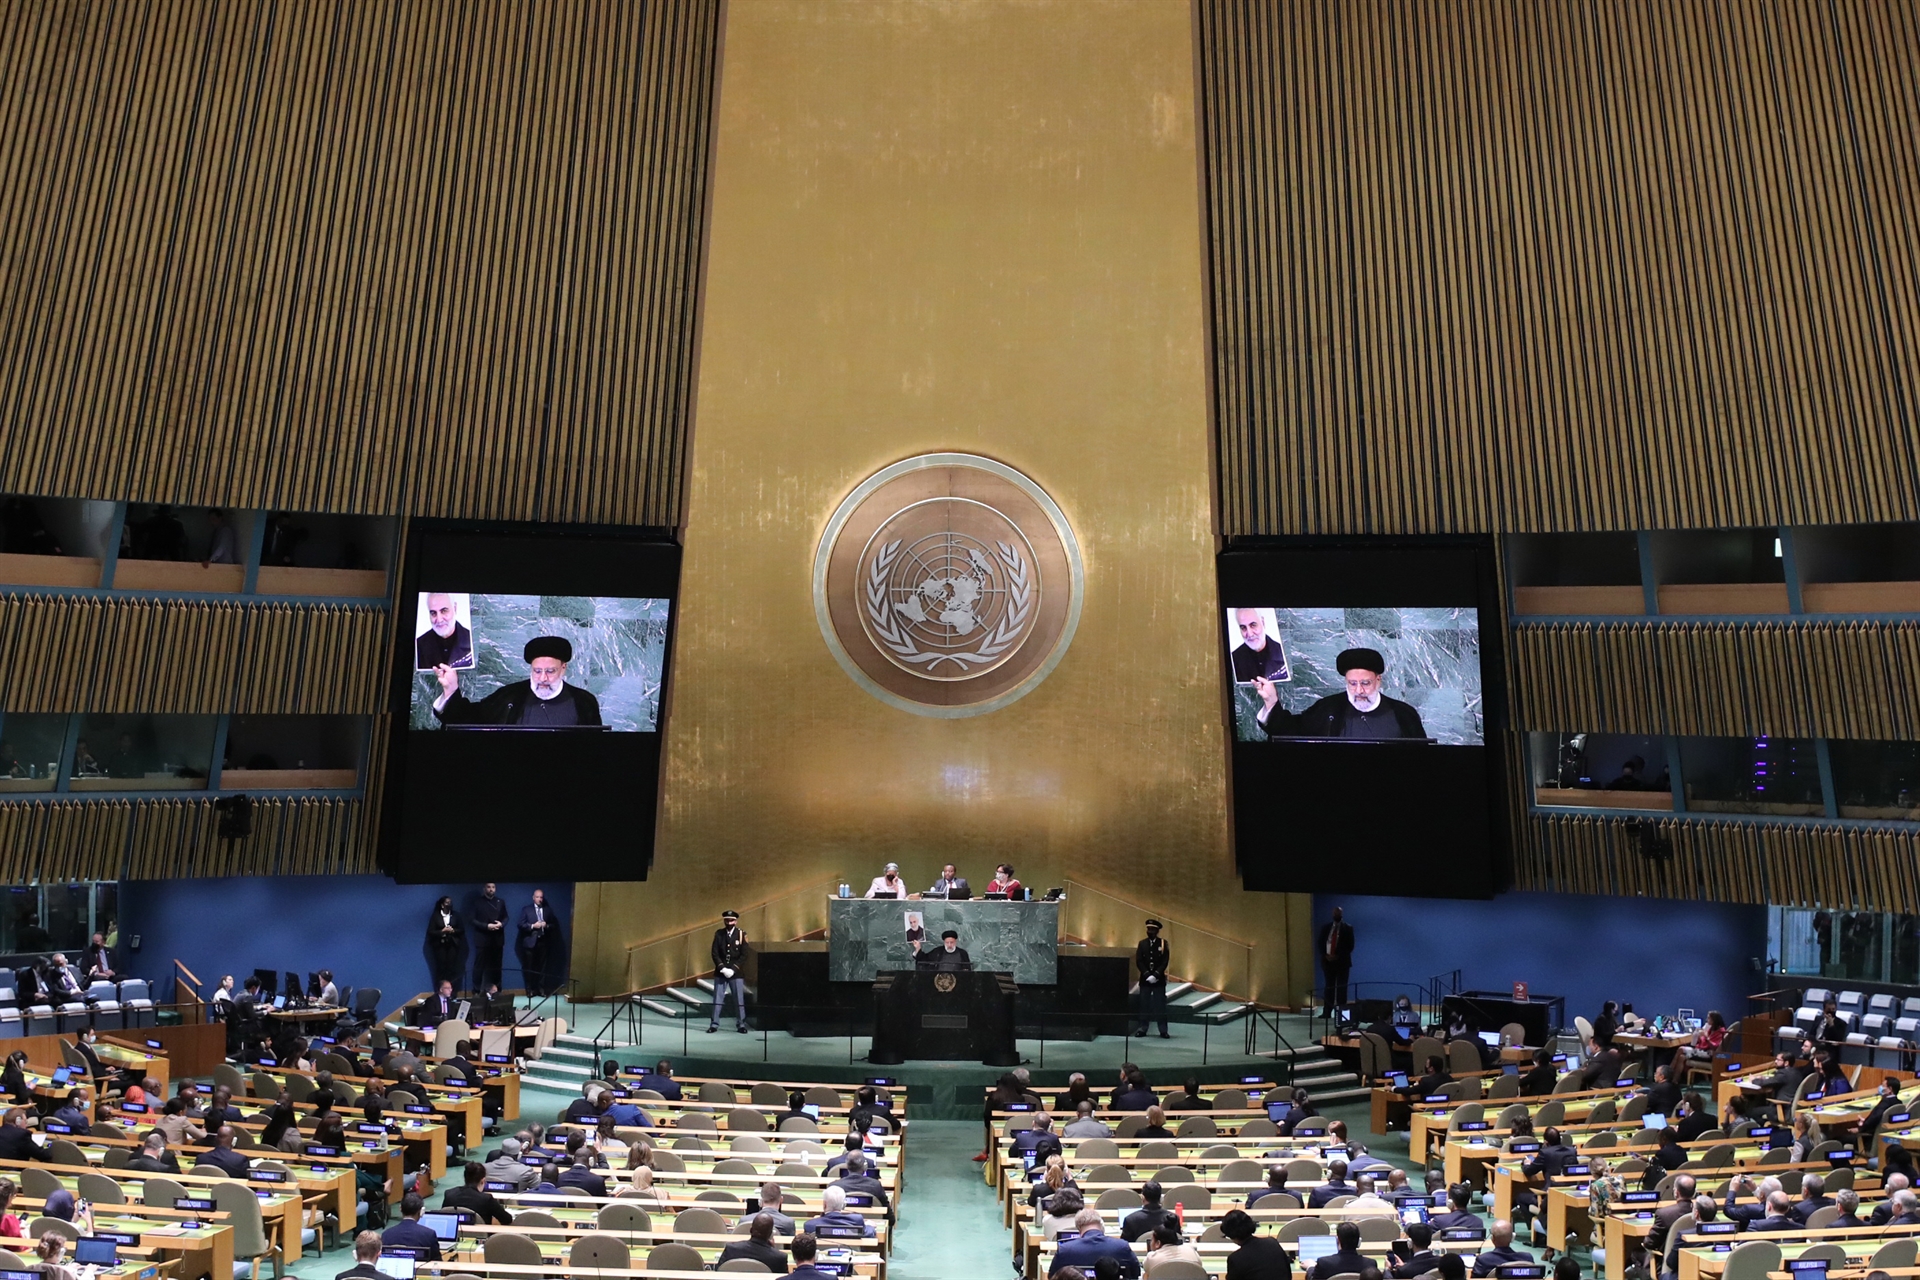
pixel 606 785
pixel 1407 846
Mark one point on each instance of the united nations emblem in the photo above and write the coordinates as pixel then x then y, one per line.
pixel 945 982
pixel 948 584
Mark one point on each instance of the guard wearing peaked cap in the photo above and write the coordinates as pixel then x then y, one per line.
pixel 542 701
pixel 1151 958
pixel 1361 713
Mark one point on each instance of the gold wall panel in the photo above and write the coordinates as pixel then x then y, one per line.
pixel 1807 679
pixel 354 255
pixel 967 226
pixel 1562 264
pixel 99 654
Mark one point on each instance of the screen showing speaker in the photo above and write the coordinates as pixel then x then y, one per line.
pixel 530 676
pixel 1361 717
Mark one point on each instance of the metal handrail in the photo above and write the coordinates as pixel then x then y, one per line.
pixel 692 936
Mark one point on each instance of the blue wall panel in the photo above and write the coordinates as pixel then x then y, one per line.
pixel 1659 953
pixel 368 930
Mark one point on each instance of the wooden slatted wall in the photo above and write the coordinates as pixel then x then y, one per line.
pixel 1562 264
pixel 67 653
pixel 354 255
pixel 1566 265
pixel 1812 679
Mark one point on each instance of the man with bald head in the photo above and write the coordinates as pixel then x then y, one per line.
pixel 446 642
pixel 1502 1252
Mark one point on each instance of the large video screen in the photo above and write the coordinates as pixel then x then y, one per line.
pixel 1360 714
pixel 530 675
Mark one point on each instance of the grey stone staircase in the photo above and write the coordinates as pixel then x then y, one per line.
pixel 1320 1074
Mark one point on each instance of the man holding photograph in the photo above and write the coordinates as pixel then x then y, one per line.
pixel 445 642
pixel 542 701
pixel 1360 713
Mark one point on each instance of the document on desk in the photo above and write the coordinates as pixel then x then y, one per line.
pixel 170 1229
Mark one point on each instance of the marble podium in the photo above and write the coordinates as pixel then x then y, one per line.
pixel 868 936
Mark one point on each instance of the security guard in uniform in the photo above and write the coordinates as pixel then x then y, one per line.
pixel 729 970
pixel 1150 957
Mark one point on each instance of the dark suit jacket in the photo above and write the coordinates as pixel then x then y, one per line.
pixel 1551 1160
pixel 666 1086
pixel 1339 1263
pixel 1142 1221
pixel 434 1010
pixel 1782 1222
pixel 484 1206
pixel 1088 1249
pixel 145 1163
pixel 231 1163
pixel 1539 1081
pixel 1318 1197
pixel 409 1234
pixel 863 1186
pixel 1694 1125
pixel 774 1257
pixel 1417 1264
pixel 1041 1144
pixel 525 932
pixel 18 1144
pixel 1499 1257
pixel 1261 1258
pixel 1663 1096
pixel 364 1271
pixel 578 1175
pixel 1342 948
pixel 1134 1100
pixel 508 703
pixel 1804 1209
pixel 1603 1070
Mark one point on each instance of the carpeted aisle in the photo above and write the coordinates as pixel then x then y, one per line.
pixel 949 1221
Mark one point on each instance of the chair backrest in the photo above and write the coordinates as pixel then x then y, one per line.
pixel 673 1257
pixel 821 1095
pixel 1840 1180
pixel 242 1207
pixel 1108 1173
pixel 1681 1225
pixel 1371 1046
pixel 1424 1047
pixel 598 1249
pixel 1230 1099
pixel 794 1169
pixel 1198 1127
pixel 1571 1082
pixel 668 1162
pixel 718 1091
pixel 699 1222
pixel 1752 1261
pixel 1172 1174
pixel 1823 1217
pixel 449 1034
pixel 11 1261
pixel 115 1158
pixel 62 1152
pixel 1304 1171
pixel 1504 1086
pixel 749 1265
pixel 71 1056
pixel 1259 1127
pixel 1511 1034
pixel 100 1189
pixel 768 1094
pixel 799 1124
pixel 1585 1029
pixel 691 1143
pixel 719 1195
pixel 1159 1149
pixel 1550 1113
pixel 1220 1151
pixel 1604 1111
pixel 1825 1149
pixel 734 1164
pixel 1605 1140
pixel 1196 1198
pixel 1377 1229
pixel 1130 1126
pixel 1099 1149
pixel 299 1087
pixel 535 1218
pixel 160 1193
pixel 1635 1107
pixel 1466 1113
pixel 747 1120
pixel 229 1075
pixel 59 1226
pixel 510 1248
pixel 1518 1111
pixel 751 1143
pixel 1463 1055
pixel 1242 1171
pixel 1180 1269
pixel 1894 1253
pixel 1117 1198
pixel 1293 1228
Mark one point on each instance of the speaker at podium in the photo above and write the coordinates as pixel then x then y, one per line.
pixel 944 1015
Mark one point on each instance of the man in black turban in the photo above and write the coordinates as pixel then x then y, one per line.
pixel 1362 713
pixel 543 701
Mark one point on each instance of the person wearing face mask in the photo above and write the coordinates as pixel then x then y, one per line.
pixel 1361 713
pixel 542 701
pixel 888 883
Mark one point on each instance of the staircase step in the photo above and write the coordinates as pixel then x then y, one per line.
pixel 1174 990
pixel 1202 1000
pixel 1225 1012
pixel 699 999
pixel 661 1007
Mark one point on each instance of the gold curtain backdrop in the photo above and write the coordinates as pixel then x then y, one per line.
pixel 975 228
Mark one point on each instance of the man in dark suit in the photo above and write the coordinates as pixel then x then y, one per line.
pixel 1603 1066
pixel 951 884
pixel 1666 1215
pixel 1812 1198
pixel 661 1081
pixel 1849 1202
pixel 409 1234
pixel 1551 1160
pixel 489 938
pixel 1040 1140
pixel 1420 1259
pixel 153 1156
pixel 534 941
pixel 1540 1077
pixel 859 1181
pixel 1346 1258
pixel 1779 1215
pixel 1906 1209
pixel 74 1112
pixel 221 1110
pixel 1093 1244
pixel 1784 1081
pixel 1436 1078
pixel 805 1248
pixel 1336 1185
pixel 1335 947
pixel 1502 1252
pixel 16 1140
pixel 1276 1182
pixel 1883 1106
pixel 366 1256
pixel 1459 1196
pixel 1738 1191
pixel 439 1006
pixel 1663 1096
pixel 1149 1215
pixel 580 1174
pixel 470 1197
pixel 224 1158
pixel 1134 1095
pixel 1258 1257
pixel 758 1246
pixel 1696 1119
